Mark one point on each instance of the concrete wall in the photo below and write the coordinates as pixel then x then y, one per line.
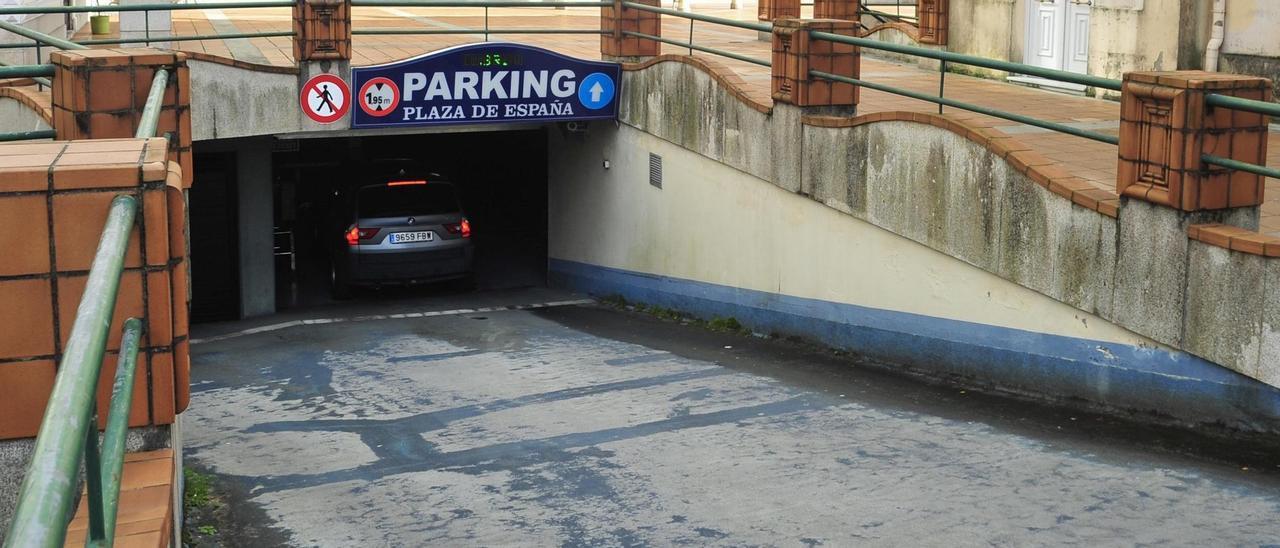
pixel 844 220
pixel 238 102
pixel 1250 45
pixel 17 116
pixel 995 29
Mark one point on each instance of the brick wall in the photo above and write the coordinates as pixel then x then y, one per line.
pixel 54 198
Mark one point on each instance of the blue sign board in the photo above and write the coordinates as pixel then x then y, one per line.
pixel 484 83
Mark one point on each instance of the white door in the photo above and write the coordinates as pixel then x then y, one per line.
pixel 1076 44
pixel 1058 36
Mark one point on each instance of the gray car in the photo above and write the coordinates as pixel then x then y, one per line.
pixel 402 231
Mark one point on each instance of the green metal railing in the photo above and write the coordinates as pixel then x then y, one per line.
pixel 1214 100
pixel 69 430
pixel 151 110
pixel 948 57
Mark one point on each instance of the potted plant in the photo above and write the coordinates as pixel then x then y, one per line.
pixel 100 23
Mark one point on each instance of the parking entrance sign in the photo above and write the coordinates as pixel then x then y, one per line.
pixel 485 83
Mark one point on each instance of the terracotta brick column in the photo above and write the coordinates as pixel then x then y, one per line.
pixel 772 10
pixel 932 21
pixel 795 54
pixel 100 93
pixel 54 199
pixel 1165 127
pixel 616 19
pixel 321 30
pixel 835 9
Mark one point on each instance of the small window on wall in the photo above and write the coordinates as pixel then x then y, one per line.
pixel 655 170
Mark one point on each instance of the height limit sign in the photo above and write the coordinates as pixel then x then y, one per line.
pixel 325 98
pixel 379 97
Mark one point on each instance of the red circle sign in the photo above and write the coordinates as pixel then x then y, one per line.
pixel 379 97
pixel 325 98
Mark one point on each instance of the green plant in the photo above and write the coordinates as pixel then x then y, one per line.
pixel 207 530
pixel 729 324
pixel 198 488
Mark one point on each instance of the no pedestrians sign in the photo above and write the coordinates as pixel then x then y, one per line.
pixel 325 98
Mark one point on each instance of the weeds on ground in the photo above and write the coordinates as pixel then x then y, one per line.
pixel 717 323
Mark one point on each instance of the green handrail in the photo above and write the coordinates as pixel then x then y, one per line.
pixel 1063 128
pixel 1060 75
pixel 761 27
pixel 28 135
pixel 44 502
pixel 1240 103
pixel 705 49
pixel 113 437
pixel 151 109
pixel 40 36
pixel 26 71
pixel 17 10
pixel 187 38
pixel 1242 166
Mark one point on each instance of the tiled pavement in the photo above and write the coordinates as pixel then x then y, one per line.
pixel 1092 161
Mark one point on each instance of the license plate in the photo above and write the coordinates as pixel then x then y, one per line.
pixel 409 237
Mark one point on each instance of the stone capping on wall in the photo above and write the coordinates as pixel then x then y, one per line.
pixel 274 69
pixel 724 75
pixel 37 101
pixel 1043 171
pixel 1235 239
pixel 912 31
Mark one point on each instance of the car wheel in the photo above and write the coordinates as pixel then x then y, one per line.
pixel 338 287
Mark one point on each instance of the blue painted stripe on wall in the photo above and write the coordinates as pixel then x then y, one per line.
pixel 1169 383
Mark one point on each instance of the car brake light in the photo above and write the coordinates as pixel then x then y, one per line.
pixel 463 228
pixel 355 234
pixel 406 183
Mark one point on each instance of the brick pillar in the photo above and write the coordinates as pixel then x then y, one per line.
pixel 321 30
pixel 100 93
pixel 1165 126
pixel 616 19
pixel 795 54
pixel 772 10
pixel 932 21
pixel 54 199
pixel 835 9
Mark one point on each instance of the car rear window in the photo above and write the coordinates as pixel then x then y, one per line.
pixel 398 201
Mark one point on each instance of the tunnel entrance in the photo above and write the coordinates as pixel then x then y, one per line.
pixel 264 205
pixel 500 179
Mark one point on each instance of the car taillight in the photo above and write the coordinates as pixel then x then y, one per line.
pixel 355 234
pixel 463 228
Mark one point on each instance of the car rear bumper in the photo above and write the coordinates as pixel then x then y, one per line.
pixel 409 267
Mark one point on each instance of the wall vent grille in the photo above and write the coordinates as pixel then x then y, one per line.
pixel 655 170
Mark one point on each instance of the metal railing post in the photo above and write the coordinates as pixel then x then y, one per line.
pixel 113 439
pixel 486 23
pixel 942 82
pixel 93 475
pixel 691 37
pixel 146 27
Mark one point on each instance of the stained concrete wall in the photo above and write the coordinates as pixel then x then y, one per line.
pixel 16 116
pixel 237 102
pixel 1126 36
pixel 956 197
pixel 995 29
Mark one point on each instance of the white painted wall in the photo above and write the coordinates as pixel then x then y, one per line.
pixel 712 223
pixel 1251 28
